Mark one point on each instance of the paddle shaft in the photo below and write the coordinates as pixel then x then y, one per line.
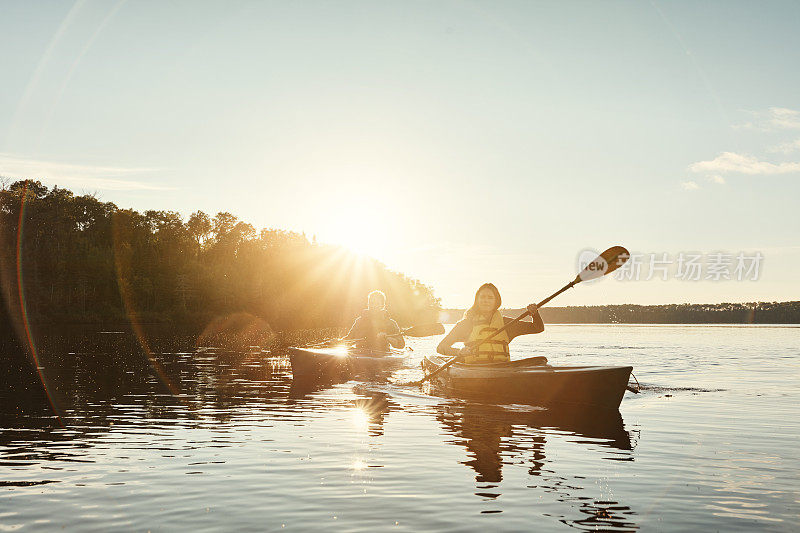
pixel 424 330
pixel 520 317
pixel 398 334
pixel 361 339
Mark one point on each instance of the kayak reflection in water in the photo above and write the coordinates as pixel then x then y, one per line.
pixel 374 330
pixel 482 320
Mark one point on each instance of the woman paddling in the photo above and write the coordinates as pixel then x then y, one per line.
pixel 480 321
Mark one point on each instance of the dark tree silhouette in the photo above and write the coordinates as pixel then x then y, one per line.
pixel 73 259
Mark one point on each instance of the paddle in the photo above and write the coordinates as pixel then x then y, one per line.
pixel 603 264
pixel 422 330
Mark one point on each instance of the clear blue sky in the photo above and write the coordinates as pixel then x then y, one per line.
pixel 460 142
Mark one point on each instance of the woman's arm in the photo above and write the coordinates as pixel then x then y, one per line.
pixel 456 335
pixel 537 320
pixel 525 328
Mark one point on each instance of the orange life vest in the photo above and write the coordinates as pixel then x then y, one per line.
pixel 494 350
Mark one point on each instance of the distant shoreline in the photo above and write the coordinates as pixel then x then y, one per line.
pixel 691 325
pixel 646 325
pixel 698 314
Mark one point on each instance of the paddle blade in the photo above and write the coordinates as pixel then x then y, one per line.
pixel 424 330
pixel 603 264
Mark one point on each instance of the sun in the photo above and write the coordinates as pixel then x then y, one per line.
pixel 361 224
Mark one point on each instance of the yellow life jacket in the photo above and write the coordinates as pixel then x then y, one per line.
pixel 494 350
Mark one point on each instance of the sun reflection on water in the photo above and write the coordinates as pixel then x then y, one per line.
pixel 360 419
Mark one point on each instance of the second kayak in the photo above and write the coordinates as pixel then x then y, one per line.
pixel 342 362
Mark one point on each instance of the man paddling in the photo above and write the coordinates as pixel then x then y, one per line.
pixel 374 330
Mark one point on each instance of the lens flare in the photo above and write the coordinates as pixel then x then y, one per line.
pixel 122 260
pixel 23 308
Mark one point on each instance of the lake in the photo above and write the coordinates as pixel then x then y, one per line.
pixel 207 439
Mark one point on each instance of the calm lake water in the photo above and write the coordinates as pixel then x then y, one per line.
pixel 711 443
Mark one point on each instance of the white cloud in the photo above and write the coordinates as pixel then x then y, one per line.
pixel 775 118
pixel 76 176
pixel 780 117
pixel 743 164
pixel 690 185
pixel 716 178
pixel 786 148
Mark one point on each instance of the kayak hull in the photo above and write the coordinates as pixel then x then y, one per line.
pixel 530 382
pixel 341 362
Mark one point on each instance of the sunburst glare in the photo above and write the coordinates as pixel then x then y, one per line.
pixel 360 419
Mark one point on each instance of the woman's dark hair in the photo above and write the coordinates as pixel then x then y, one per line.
pixel 473 311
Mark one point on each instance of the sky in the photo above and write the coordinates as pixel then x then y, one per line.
pixel 457 141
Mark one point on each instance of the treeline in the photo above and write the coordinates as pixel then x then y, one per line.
pixel 74 259
pixel 724 313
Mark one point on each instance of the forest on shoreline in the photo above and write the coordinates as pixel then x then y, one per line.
pixel 723 313
pixel 72 259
